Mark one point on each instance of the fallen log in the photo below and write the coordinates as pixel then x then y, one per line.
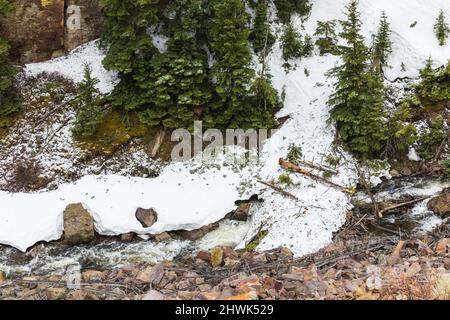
pixel 401 205
pixel 317 167
pixel 278 189
pixel 290 166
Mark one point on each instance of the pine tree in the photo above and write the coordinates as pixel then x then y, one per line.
pixel 441 29
pixel 327 41
pixel 178 79
pixel 286 8
pixel 129 48
pixel 232 71
pixel 434 87
pixel 261 35
pixel 9 100
pixel 382 45
pixel 89 114
pixel 291 42
pixel 358 98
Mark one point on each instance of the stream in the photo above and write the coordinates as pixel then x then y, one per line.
pixel 109 253
pixel 416 221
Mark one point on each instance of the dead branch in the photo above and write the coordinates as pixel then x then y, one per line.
pixel 439 151
pixel 401 205
pixel 366 185
pixel 278 189
pixel 290 166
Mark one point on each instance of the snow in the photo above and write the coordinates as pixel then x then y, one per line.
pixel 72 66
pixel 187 200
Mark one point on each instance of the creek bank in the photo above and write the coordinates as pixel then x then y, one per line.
pixel 365 269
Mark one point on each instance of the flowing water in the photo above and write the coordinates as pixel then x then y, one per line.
pixel 109 253
pixel 419 219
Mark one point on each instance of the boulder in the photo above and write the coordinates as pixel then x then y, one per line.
pixel 93 276
pixel 147 217
pixel 55 293
pixel 162 237
pixel 127 237
pixel 241 213
pixel 194 234
pixel 440 205
pixel 78 225
pixel 216 257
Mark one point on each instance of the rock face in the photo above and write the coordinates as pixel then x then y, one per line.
pixel 83 22
pixel 441 204
pixel 78 225
pixel 147 217
pixel 42 29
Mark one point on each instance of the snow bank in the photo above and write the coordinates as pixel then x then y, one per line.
pixel 72 66
pixel 186 200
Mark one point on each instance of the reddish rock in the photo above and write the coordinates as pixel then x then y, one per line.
pixel 127 237
pixel 147 217
pixel 93 276
pixel 205 256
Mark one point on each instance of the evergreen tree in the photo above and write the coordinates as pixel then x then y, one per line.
pixel 129 48
pixel 435 85
pixel 382 45
pixel 232 71
pixel 291 42
pixel 177 83
pixel 358 98
pixel 441 29
pixel 286 8
pixel 327 41
pixel 261 35
pixel 89 114
pixel 9 101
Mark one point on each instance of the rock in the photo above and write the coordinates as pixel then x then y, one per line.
pixel 413 270
pixel 151 275
pixel 93 276
pixel 242 212
pixel 55 293
pixel 40 30
pixel 147 217
pixel 194 234
pixel 2 277
pixel 127 237
pixel 162 237
pixel 205 256
pixel 395 256
pixel 154 295
pixel 216 257
pixel 76 295
pixel 394 173
pixel 441 204
pixel 78 225
pixel 441 247
pixel 208 296
pixel 229 263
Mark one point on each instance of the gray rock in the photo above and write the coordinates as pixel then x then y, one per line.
pixel 78 225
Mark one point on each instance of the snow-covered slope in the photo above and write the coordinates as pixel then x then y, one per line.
pixel 188 200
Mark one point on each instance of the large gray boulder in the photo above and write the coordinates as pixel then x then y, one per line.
pixel 78 225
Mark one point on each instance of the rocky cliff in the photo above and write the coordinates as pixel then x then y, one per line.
pixel 42 29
